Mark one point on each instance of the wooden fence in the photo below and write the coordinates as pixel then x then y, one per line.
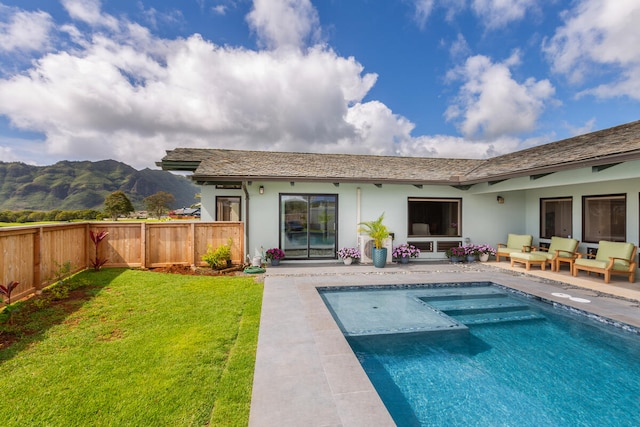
pixel 35 255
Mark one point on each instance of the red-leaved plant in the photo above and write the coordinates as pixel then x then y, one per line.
pixel 5 290
pixel 96 238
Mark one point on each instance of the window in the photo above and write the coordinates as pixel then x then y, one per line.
pixel 555 217
pixel 228 208
pixel 434 217
pixel 604 218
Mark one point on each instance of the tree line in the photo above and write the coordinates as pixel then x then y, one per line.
pixel 116 204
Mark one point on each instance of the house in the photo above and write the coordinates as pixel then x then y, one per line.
pixel 310 205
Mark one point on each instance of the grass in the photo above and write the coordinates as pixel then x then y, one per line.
pixel 141 348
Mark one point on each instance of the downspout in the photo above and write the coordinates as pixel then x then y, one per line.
pixel 358 202
pixel 246 222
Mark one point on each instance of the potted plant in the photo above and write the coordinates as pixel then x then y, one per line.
pixel 378 232
pixel 274 255
pixel 485 251
pixel 470 252
pixel 405 251
pixel 455 254
pixel 348 255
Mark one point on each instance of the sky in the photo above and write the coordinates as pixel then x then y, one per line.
pixel 130 79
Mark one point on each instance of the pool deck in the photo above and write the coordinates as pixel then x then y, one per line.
pixel 306 373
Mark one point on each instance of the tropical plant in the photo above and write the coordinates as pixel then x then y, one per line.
pixel 219 257
pixel 96 238
pixel 6 290
pixel 353 253
pixel 275 253
pixel 376 230
pixel 405 250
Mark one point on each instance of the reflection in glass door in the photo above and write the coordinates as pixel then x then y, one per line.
pixel 308 224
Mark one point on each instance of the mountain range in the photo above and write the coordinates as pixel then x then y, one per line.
pixel 81 185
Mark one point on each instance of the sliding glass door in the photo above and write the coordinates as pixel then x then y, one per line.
pixel 308 224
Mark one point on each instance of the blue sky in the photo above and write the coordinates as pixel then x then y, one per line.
pixel 127 80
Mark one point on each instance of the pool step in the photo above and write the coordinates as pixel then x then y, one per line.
pixel 481 308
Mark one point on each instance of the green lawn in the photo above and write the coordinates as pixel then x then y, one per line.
pixel 145 349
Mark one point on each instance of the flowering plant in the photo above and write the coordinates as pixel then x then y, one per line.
pixel 486 249
pixel 405 250
pixel 349 253
pixel 457 251
pixel 472 249
pixel 274 253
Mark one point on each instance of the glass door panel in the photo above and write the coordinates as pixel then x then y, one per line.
pixel 308 226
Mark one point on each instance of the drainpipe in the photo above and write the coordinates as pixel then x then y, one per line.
pixel 358 201
pixel 246 221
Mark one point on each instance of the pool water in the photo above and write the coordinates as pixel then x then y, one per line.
pixel 511 361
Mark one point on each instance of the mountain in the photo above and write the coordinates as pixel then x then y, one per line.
pixel 82 185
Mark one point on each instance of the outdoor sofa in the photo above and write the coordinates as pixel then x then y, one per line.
pixel 611 258
pixel 515 243
pixel 561 249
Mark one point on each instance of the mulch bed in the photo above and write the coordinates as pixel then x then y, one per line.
pixel 199 271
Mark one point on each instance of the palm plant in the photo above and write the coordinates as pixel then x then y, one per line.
pixel 376 230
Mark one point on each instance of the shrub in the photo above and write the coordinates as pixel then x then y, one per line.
pixel 218 258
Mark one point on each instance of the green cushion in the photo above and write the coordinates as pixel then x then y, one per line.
pixel 565 245
pixel 608 249
pixel 531 256
pixel 519 240
pixel 504 250
pixel 592 263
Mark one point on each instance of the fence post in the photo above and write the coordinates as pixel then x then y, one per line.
pixel 143 244
pixel 37 237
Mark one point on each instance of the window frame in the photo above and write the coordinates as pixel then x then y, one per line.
pixel 456 200
pixel 586 237
pixel 239 198
pixel 543 216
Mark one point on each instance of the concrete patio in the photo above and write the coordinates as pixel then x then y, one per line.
pixel 306 373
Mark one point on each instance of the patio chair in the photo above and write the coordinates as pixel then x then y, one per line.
pixel 561 249
pixel 515 243
pixel 611 258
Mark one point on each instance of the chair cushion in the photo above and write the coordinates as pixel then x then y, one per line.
pixel 531 256
pixel 591 263
pixel 519 240
pixel 565 245
pixel 608 249
pixel 504 250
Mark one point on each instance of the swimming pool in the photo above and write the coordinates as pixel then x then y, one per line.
pixel 477 354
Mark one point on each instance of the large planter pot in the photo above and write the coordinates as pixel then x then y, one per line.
pixel 275 262
pixel 454 259
pixel 471 258
pixel 379 257
pixel 348 261
pixel 484 257
pixel 404 260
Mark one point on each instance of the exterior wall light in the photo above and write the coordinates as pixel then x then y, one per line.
pixel 261 189
pixel 500 199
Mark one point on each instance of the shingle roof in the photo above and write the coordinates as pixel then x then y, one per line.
pixel 603 147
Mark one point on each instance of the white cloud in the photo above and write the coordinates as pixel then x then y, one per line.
pixel 491 103
pixel 423 11
pixel 284 24
pixel 24 31
pixel 88 11
pixel 599 37
pixel 498 13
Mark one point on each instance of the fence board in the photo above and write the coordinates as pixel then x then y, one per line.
pixel 36 255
